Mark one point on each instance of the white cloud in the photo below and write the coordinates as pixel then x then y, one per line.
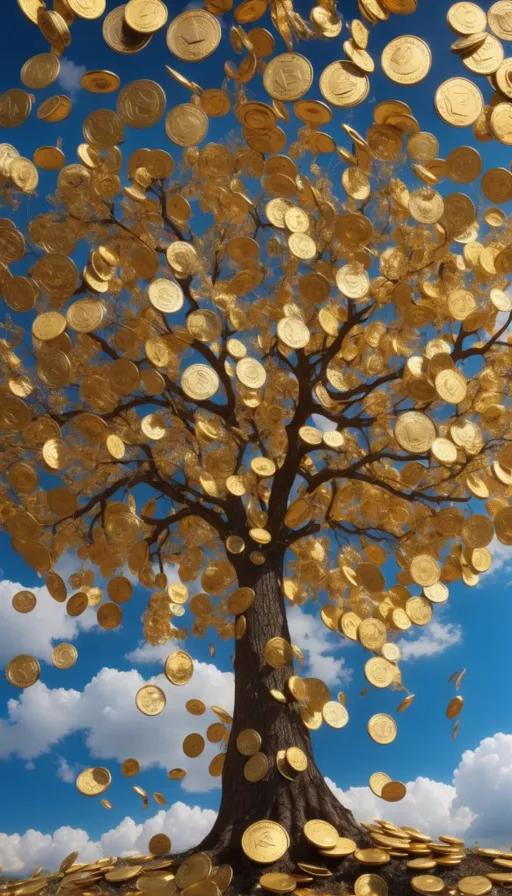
pixel 501 556
pixel 435 639
pixel 36 632
pixel 318 645
pixel 185 825
pixel 65 771
pixel 113 727
pixel 69 76
pixel 323 423
pixel 477 805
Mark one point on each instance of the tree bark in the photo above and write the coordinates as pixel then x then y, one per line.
pixel 291 803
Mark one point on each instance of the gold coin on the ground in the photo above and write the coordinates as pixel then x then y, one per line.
pixel 265 841
pixel 370 885
pixel 278 882
pixel 343 847
pixel 321 833
pixel 372 856
pixel 427 884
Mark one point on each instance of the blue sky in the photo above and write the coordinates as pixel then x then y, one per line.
pixel 50 742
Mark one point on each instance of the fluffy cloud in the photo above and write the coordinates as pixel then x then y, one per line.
pixel 476 806
pixel 69 76
pixel 435 639
pixel 318 645
pixel 38 631
pixel 185 825
pixel 105 712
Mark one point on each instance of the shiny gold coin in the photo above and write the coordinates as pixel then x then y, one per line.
pixel 459 102
pixel 22 671
pixel 265 842
pixel 371 856
pixel 130 768
pixel 64 656
pixel 193 35
pixel 321 834
pixel 466 18
pixel 15 107
pixel 427 884
pixel 24 601
pixel 145 16
pixel 159 845
pixel 393 791
pixel 150 700
pixel 382 728
pixel 288 77
pixel 256 767
pixel 278 882
pixel 454 707
pixel 179 667
pixel 248 742
pixel 377 782
pixel 40 71
pixel 344 84
pixel 370 885
pixel 93 781
pixel 193 745
pixel 406 60
pixel 119 36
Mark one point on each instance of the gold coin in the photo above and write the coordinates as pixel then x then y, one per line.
pixel 393 791
pixel 159 845
pixel 343 847
pixel 200 382
pixel 344 84
pixel 334 714
pixel 64 656
pixel 382 728
pixel 487 58
pixel 288 77
pixel 265 842
pixel 150 700
pixel 424 570
pixel 474 885
pixel 193 869
pixel 119 36
pixel 372 633
pixel 459 102
pixel 377 782
pixel 165 295
pixel 370 885
pixel 30 8
pixel 296 759
pixel 193 35
pixel 406 60
pixel 414 432
pixel 93 781
pixel 371 856
pixel 22 671
pixel 118 875
pixel 186 125
pixel 24 601
pixel 466 18
pixel 256 767
pixel 179 667
pixel 278 882
pixel 248 742
pixel 130 768
pixel 15 107
pixel 451 386
pixel 427 884
pixel 500 19
pixel 379 672
pixel 454 707
pixel 100 81
pixel 145 16
pixel 321 833
pixel 193 745
pixel 40 71
pixel 141 104
pixel 278 653
pixel 251 373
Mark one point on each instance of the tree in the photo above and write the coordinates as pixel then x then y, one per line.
pixel 260 380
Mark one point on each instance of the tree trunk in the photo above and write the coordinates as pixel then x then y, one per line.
pixel 291 803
